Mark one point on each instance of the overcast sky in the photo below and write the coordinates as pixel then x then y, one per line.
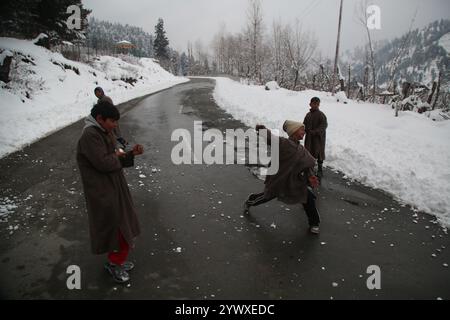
pixel 189 20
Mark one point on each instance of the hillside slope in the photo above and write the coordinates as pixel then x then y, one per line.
pixel 47 91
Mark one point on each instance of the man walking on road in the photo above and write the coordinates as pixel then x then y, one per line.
pixel 100 94
pixel 315 126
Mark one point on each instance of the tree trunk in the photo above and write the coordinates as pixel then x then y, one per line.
pixel 5 68
pixel 295 80
pixel 342 85
pixel 374 91
pixel 366 82
pixel 437 91
pixel 322 77
pixel 405 91
pixel 348 82
pixel 430 97
pixel 372 62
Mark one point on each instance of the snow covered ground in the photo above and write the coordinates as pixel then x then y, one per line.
pixel 48 92
pixel 407 156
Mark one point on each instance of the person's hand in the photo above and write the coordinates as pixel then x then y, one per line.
pixel 122 141
pixel 314 181
pixel 260 127
pixel 120 152
pixel 138 149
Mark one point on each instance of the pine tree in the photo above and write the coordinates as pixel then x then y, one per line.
pixel 16 18
pixel 29 18
pixel 161 42
pixel 52 19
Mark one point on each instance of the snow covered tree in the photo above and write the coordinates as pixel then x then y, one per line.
pixel 284 55
pixel 103 36
pixel 174 65
pixel 279 62
pixel 53 17
pixel 17 18
pixel 161 42
pixel 254 37
pixel 299 48
pixel 218 47
pixel 184 64
pixel 197 59
pixel 29 18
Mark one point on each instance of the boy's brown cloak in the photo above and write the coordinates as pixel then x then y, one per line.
pixel 108 199
pixel 315 126
pixel 290 183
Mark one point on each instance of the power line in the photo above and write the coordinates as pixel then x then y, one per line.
pixel 307 8
pixel 310 9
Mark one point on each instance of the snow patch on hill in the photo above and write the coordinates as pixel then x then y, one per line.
pixel 47 92
pixel 444 42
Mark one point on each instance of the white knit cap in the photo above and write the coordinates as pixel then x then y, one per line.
pixel 290 127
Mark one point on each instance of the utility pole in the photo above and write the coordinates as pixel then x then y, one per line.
pixel 333 82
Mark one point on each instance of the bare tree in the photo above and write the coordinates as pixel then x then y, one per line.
pixel 255 36
pixel 300 47
pixel 438 91
pixel 349 82
pixel 218 44
pixel 278 58
pixel 284 55
pixel 230 52
pixel 393 66
pixel 362 18
pixel 240 51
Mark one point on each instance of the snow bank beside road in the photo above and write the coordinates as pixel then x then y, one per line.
pixel 407 156
pixel 48 92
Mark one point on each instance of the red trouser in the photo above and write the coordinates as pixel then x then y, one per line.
pixel 119 257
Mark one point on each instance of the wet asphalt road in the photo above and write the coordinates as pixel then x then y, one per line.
pixel 195 243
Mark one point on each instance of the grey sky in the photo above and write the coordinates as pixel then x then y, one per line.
pixel 189 20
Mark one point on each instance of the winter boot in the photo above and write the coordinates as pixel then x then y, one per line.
pixel 128 266
pixel 119 274
pixel 314 229
pixel 246 208
pixel 319 170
